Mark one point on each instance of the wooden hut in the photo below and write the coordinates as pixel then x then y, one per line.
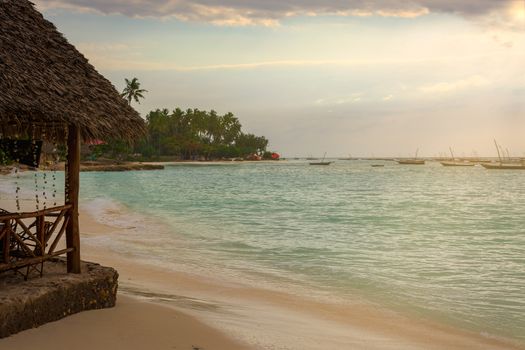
pixel 51 92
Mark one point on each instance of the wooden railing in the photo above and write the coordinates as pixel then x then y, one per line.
pixel 27 240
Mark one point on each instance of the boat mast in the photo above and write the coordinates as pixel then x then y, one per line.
pixel 451 153
pixel 497 149
pixel 417 151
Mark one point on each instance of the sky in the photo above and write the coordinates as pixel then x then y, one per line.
pixel 359 77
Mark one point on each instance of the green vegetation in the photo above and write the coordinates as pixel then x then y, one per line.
pixel 188 135
pixel 194 134
pixel 4 158
pixel 132 91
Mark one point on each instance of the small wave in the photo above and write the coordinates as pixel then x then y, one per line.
pixel 134 233
pixel 109 212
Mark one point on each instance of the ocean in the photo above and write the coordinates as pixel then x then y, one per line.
pixel 443 243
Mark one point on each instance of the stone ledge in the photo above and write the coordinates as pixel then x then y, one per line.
pixel 32 303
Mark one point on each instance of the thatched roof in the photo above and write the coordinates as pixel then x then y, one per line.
pixel 46 83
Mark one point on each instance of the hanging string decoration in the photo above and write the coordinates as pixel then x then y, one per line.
pixel 35 164
pixel 54 174
pixel 17 176
pixel 66 172
pixel 44 180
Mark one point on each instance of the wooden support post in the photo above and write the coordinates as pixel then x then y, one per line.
pixel 73 189
pixel 6 241
pixel 40 234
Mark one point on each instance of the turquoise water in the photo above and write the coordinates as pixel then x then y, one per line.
pixel 448 243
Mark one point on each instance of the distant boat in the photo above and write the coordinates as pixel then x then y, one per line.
pixel 411 161
pixel 377 165
pixel 504 166
pixel 322 162
pixel 455 162
pixel 414 161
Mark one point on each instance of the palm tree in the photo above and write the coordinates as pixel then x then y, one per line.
pixel 132 91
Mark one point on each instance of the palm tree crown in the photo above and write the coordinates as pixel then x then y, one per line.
pixel 132 91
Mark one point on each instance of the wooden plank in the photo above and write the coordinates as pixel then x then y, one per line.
pixel 24 246
pixel 73 186
pixel 5 229
pixel 41 233
pixel 5 239
pixel 7 244
pixel 55 225
pixel 33 261
pixel 59 235
pixel 29 233
pixel 47 212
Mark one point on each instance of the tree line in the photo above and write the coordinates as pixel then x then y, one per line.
pixel 189 135
pixel 192 134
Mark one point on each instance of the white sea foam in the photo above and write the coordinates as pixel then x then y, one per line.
pixel 134 233
pixel 109 212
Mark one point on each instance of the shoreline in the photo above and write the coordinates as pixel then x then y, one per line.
pixel 263 318
pixel 236 315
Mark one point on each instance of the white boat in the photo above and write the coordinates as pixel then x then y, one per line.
pixel 455 162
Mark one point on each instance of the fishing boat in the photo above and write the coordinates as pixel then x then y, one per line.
pixel 413 161
pixel 504 166
pixel 322 162
pixel 455 162
pixel 378 165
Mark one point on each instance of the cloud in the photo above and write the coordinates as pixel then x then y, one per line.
pixel 120 56
pixel 340 100
pixel 474 81
pixel 270 12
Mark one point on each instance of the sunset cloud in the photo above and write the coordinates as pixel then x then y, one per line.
pixel 472 82
pixel 269 13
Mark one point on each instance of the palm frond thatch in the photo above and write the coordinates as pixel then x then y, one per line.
pixel 46 84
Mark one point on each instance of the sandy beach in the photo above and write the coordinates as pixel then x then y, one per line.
pixel 132 324
pixel 163 309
